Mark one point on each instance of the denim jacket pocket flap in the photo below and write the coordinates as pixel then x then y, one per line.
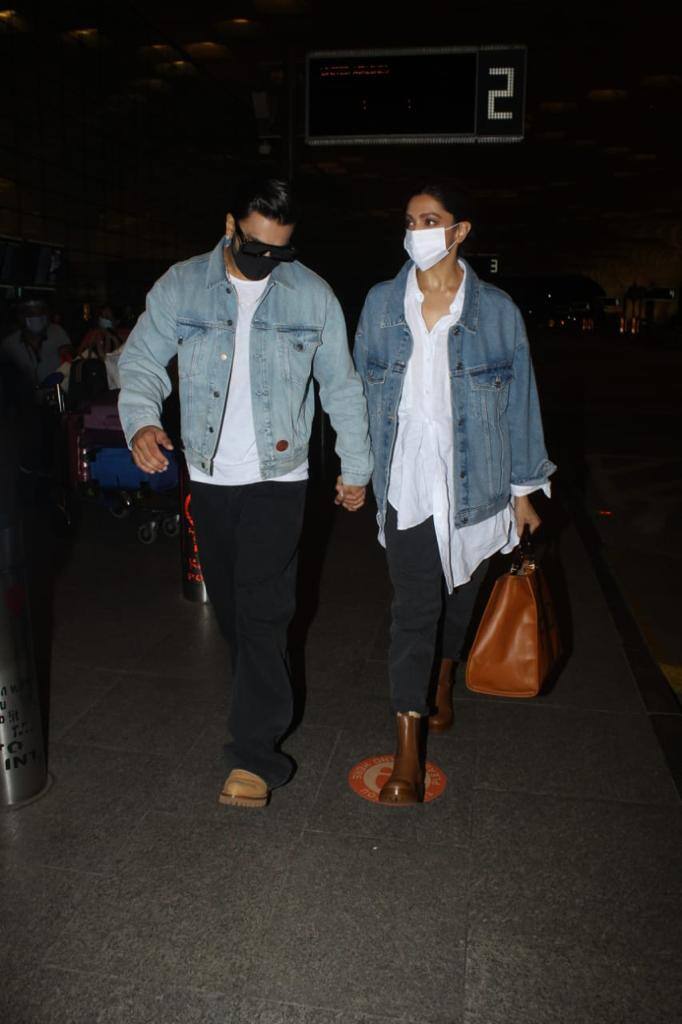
pixel 189 336
pixel 494 377
pixel 303 339
pixel 376 373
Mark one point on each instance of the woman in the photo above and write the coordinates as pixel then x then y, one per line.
pixel 458 447
pixel 104 337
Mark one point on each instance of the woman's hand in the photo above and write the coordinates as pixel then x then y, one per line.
pixel 525 515
pixel 349 496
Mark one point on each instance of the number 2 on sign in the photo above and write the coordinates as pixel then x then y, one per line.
pixel 494 94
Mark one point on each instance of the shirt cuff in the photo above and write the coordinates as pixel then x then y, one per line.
pixel 520 491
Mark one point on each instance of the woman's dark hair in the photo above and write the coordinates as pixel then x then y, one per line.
pixel 271 197
pixel 451 197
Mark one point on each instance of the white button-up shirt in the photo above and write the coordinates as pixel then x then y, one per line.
pixel 422 476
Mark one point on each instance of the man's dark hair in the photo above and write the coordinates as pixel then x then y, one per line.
pixel 452 198
pixel 271 197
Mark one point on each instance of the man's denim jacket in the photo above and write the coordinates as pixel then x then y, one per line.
pixel 495 409
pixel 298 331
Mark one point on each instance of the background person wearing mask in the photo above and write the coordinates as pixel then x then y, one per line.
pixel 37 349
pixel 104 337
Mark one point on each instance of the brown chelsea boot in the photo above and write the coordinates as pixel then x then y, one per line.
pixel 442 718
pixel 406 783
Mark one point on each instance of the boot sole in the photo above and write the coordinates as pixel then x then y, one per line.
pixel 399 800
pixel 243 801
pixel 437 727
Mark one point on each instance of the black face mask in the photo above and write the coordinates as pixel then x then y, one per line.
pixel 251 258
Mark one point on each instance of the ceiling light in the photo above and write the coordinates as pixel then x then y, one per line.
pixel 159 51
pixel 11 21
pixel 558 106
pixel 84 36
pixel 607 95
pixel 177 68
pixel 662 81
pixel 207 51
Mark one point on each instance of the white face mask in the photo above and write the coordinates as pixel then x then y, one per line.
pixel 428 246
pixel 36 324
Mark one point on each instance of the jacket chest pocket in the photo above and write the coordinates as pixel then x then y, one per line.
pixel 297 347
pixel 376 373
pixel 193 348
pixel 496 378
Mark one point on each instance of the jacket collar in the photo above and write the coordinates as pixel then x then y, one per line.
pixel 283 273
pixel 394 310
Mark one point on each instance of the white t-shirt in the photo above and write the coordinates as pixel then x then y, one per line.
pixel 236 459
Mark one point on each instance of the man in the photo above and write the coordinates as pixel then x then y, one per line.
pixel 37 349
pixel 251 326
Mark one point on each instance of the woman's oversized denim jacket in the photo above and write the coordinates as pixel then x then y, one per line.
pixel 298 331
pixel 496 413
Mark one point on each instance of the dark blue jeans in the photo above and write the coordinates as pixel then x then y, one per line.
pixel 248 540
pixel 419 601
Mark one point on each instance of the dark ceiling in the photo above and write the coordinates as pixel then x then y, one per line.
pixel 600 163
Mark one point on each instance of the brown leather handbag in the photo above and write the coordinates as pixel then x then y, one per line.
pixel 517 644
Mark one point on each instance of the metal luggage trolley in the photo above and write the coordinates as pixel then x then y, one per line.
pixel 101 469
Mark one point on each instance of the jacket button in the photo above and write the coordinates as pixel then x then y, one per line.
pixel 210 430
pixel 229 323
pixel 179 341
pixel 223 356
pixel 216 394
pixel 460 366
pixel 298 346
pixel 282 446
pixel 462 475
pixel 456 330
pixel 460 423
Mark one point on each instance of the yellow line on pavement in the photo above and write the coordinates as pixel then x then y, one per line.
pixel 674 674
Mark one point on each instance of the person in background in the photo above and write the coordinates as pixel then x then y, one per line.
pixel 458 447
pixel 105 335
pixel 37 348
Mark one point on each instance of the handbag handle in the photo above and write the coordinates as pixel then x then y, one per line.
pixel 524 555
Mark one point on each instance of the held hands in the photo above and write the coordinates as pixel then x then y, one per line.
pixel 525 515
pixel 351 497
pixel 146 449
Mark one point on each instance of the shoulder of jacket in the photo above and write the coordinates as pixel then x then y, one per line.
pixel 380 290
pixel 497 297
pixel 303 275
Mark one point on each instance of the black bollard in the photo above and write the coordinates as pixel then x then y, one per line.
pixel 23 769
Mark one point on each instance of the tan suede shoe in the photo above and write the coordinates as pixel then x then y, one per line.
pixel 244 789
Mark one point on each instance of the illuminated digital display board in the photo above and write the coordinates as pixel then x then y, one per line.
pixel 439 95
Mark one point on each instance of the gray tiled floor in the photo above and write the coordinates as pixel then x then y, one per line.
pixel 544 887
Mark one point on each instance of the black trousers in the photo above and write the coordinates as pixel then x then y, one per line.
pixel 419 600
pixel 248 540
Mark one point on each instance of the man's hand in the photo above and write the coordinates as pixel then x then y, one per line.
pixel 525 515
pixel 146 451
pixel 351 497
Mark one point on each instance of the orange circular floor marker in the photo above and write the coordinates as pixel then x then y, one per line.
pixel 367 778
